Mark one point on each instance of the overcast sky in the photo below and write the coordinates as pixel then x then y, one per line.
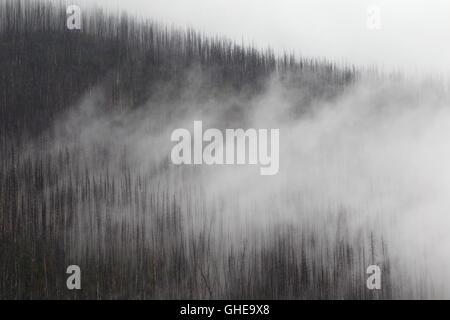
pixel 412 35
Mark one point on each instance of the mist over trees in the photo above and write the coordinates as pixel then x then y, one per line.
pixel 152 233
pixel 46 67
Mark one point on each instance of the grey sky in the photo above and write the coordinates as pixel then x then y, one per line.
pixel 414 34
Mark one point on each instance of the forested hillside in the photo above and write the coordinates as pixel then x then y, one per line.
pixel 85 177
